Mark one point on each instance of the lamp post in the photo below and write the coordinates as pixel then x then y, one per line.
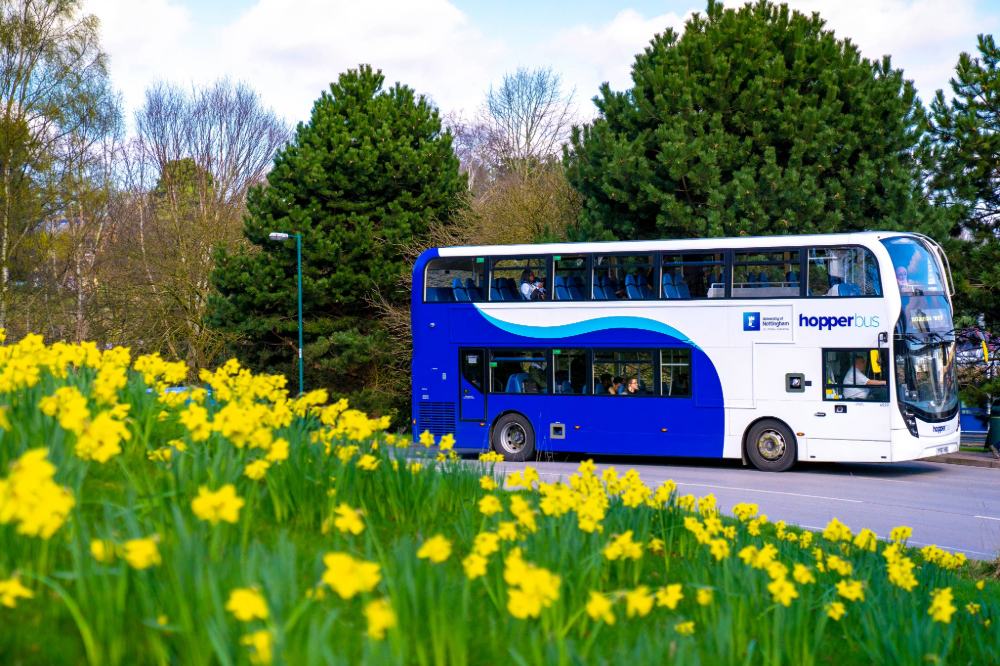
pixel 281 238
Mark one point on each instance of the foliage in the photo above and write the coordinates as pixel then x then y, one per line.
pixel 755 121
pixel 966 178
pixel 362 180
pixel 232 524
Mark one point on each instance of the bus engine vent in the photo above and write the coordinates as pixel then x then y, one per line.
pixel 437 417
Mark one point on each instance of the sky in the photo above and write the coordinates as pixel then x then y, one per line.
pixel 452 51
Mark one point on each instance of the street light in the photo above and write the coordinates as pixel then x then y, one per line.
pixel 282 237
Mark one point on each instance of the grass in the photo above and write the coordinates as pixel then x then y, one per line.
pixel 175 611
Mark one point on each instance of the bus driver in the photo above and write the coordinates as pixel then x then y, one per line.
pixel 856 377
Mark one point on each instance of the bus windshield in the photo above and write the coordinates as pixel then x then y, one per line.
pixel 916 269
pixel 924 341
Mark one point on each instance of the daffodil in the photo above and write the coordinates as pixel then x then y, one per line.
pixel 669 596
pixel 246 604
pixel 684 628
pixel 474 565
pixel 851 590
pixel 142 553
pixel 348 520
pixel 221 505
pixel 487 483
pixel 942 606
pixel 835 610
pixel 489 505
pixel 638 602
pixel 11 590
pixel 704 596
pixel 782 591
pixel 103 551
pixel 437 549
pixel 599 608
pixel 262 643
pixel 380 617
pixel 486 543
pixel 426 438
pixel 347 576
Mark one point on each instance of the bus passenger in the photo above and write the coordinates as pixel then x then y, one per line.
pixel 632 387
pixel 856 377
pixel 617 386
pixel 605 380
pixel 531 288
pixel 536 373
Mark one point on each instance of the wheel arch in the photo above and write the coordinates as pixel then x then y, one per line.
pixel 746 434
pixel 493 425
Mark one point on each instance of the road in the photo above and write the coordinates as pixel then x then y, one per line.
pixel 953 506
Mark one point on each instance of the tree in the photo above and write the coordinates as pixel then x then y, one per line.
pixel 361 181
pixel 966 182
pixel 755 121
pixel 56 102
pixel 185 177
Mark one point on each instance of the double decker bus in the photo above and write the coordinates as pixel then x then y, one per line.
pixel 773 349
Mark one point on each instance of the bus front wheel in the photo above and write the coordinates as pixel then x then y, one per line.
pixel 771 446
pixel 514 438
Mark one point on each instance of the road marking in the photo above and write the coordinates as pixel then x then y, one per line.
pixel 986 517
pixel 772 492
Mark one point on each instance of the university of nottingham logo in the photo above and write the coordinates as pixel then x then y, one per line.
pixel 751 321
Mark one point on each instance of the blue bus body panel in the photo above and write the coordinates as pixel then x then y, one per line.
pixel 660 426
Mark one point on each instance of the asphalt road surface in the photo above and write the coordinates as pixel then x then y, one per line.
pixel 953 506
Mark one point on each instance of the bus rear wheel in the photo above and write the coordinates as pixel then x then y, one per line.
pixel 514 438
pixel 771 446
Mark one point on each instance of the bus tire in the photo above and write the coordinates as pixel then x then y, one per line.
pixel 514 438
pixel 771 446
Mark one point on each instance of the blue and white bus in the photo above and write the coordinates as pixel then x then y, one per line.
pixel 774 349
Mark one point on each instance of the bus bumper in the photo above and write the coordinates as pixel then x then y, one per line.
pixel 907 447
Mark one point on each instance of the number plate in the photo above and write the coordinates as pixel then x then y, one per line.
pixel 941 450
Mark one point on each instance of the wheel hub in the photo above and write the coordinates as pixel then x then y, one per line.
pixel 513 437
pixel 771 445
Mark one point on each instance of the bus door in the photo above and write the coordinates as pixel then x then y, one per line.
pixel 851 419
pixel 472 384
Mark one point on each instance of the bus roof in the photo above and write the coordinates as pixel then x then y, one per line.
pixel 688 244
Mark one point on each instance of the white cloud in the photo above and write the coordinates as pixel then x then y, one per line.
pixel 143 40
pixel 426 44
pixel 587 57
pixel 290 50
pixel 924 37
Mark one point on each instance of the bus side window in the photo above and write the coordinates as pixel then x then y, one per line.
pixel 473 367
pixel 518 371
pixel 455 280
pixel 855 374
pixel 843 271
pixel 675 373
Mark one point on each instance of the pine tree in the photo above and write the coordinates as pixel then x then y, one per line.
pixel 967 177
pixel 755 121
pixel 361 181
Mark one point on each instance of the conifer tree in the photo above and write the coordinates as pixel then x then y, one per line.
pixel 361 181
pixel 754 121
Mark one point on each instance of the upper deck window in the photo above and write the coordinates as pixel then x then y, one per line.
pixel 916 269
pixel 571 281
pixel 843 271
pixel 623 277
pixel 766 274
pixel 520 279
pixel 693 275
pixel 454 280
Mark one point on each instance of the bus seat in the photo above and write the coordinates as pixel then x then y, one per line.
pixel 834 280
pixel 515 383
pixel 630 281
pixel 574 293
pixel 579 281
pixel 642 385
pixel 567 387
pixel 439 295
pixel 561 293
pixel 682 290
pixel 763 277
pixel 610 294
pixel 622 390
pixel 633 292
pixel 599 389
pixel 669 291
pixel 667 279
pixel 560 281
pixel 495 294
pixel 459 295
pixel 750 277
pixel 472 290
pixel 791 277
pixel 848 289
pixel 645 291
pixel 457 284
pixel 505 295
pixel 641 280
pixel 599 294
